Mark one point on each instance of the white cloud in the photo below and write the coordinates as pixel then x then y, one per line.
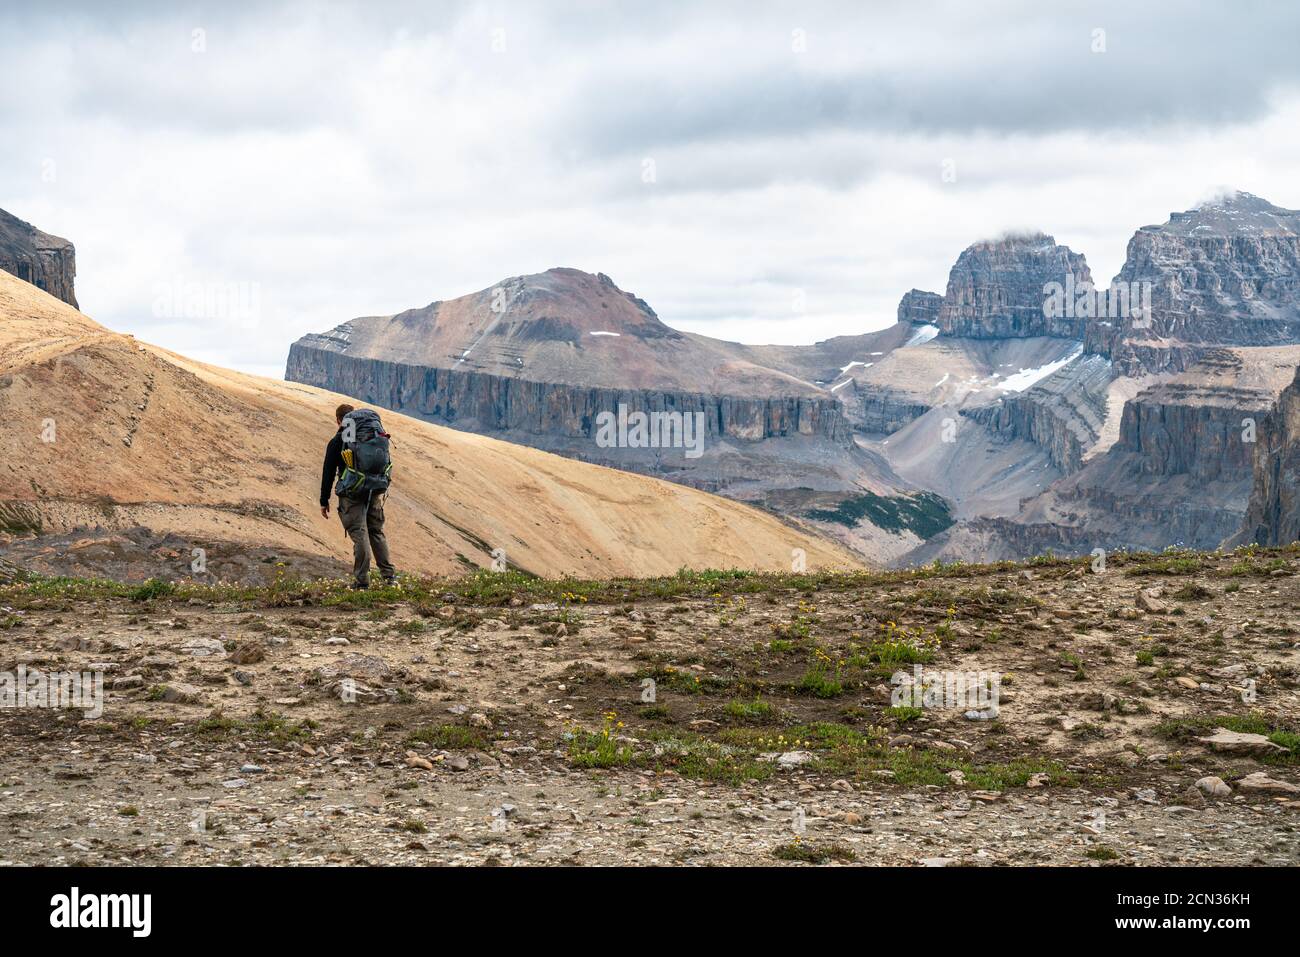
pixel 347 161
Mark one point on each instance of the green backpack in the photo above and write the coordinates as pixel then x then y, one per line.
pixel 367 467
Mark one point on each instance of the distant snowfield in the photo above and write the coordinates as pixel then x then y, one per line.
pixel 924 334
pixel 1023 379
pixel 603 333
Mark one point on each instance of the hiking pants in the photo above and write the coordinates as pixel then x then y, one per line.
pixel 363 520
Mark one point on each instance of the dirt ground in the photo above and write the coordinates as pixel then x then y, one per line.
pixel 493 725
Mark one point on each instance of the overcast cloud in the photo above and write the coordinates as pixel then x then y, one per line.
pixel 341 160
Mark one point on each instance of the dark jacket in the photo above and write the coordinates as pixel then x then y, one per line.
pixel 333 466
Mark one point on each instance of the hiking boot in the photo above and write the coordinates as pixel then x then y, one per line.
pixel 359 586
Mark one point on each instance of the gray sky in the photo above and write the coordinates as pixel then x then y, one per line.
pixel 722 161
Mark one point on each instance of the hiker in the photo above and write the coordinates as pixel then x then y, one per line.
pixel 358 456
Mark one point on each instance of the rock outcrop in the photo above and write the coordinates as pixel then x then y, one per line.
pixel 484 402
pixel 881 411
pixel 999 289
pixel 1224 273
pixel 1273 515
pixel 45 261
pixel 1180 470
pixel 1205 429
pixel 1063 414
pixel 920 307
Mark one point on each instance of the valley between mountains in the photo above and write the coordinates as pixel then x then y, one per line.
pixel 1019 411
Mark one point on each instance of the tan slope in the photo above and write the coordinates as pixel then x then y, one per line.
pixel 147 437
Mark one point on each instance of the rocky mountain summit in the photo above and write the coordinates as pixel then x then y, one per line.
pixel 552 359
pixel 45 261
pixel 920 307
pixel 996 289
pixel 1224 273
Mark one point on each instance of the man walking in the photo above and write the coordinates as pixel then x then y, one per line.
pixel 358 457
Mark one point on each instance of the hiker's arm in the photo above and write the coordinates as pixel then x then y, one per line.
pixel 333 459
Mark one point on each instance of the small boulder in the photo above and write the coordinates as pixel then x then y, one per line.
pixel 414 760
pixel 1259 782
pixel 1213 787
pixel 792 759
pixel 1236 742
pixel 204 648
pixel 248 653
pixel 177 693
pixel 1148 602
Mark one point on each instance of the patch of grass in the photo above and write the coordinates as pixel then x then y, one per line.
pixel 151 589
pixel 1287 739
pixel 1070 660
pixel 450 737
pixel 1168 562
pixel 803 853
pixel 699 758
pixel 925 513
pixel 799 627
pixel 1101 853
pixel 844 751
pixel 756 710
pixel 263 725
pixel 821 682
pixel 1190 728
pixel 904 713
pixel 599 749
pixel 899 648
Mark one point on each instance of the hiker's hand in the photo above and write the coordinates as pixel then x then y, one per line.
pixel 325 511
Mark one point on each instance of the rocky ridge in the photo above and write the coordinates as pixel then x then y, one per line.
pixel 45 261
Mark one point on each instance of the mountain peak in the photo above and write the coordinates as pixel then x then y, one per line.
pixel 996 288
pixel 1234 213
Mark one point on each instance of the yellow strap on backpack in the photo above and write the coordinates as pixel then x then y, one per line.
pixel 347 457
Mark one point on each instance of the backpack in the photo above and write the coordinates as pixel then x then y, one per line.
pixel 367 467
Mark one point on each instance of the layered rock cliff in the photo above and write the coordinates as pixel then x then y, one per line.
pixel 1224 273
pixel 45 261
pixel 483 402
pixel 997 290
pixel 1273 515
pixel 920 307
pixel 881 411
pixel 1063 414
pixel 1204 429
pixel 1180 470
